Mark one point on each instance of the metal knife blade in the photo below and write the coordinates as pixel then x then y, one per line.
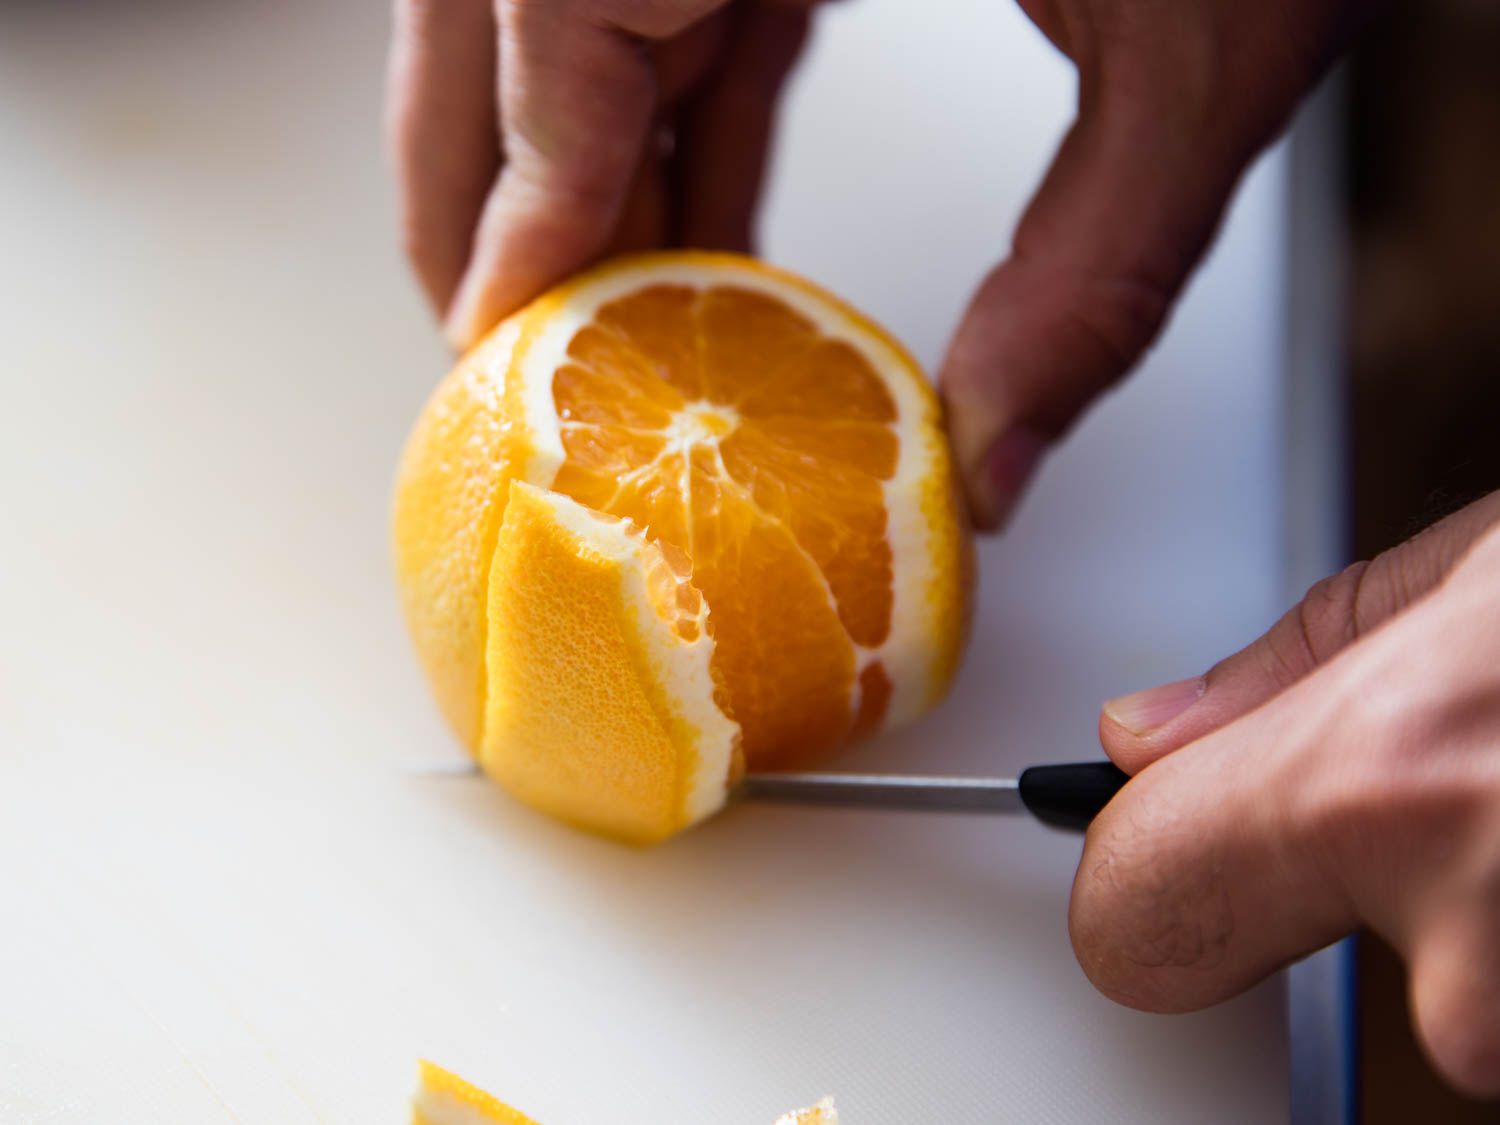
pixel 1063 796
pixel 885 791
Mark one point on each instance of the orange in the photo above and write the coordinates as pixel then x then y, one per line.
pixel 684 514
pixel 443 1098
pixel 823 1113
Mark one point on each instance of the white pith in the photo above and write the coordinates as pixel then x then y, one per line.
pixel 683 665
pixel 910 645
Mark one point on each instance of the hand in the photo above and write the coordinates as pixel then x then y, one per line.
pixel 1343 770
pixel 632 123
pixel 621 124
pixel 1175 98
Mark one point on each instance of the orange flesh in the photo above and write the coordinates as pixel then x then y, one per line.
pixel 747 443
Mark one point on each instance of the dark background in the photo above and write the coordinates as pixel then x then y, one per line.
pixel 1424 366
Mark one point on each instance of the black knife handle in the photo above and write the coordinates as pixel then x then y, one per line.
pixel 1070 796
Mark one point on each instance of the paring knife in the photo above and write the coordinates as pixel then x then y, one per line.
pixel 1064 796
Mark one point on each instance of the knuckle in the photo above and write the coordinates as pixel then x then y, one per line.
pixel 1075 331
pixel 531 21
pixel 651 19
pixel 1324 622
pixel 1200 76
pixel 1327 616
pixel 1285 654
pixel 424 20
pixel 579 196
pixel 1121 314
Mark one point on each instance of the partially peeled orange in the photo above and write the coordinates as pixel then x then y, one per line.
pixel 683 515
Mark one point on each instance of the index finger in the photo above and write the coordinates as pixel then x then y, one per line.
pixel 577 98
pixel 1136 730
pixel 444 135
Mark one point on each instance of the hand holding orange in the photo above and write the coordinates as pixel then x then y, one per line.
pixel 683 515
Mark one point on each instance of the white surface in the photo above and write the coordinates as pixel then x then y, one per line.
pixel 227 899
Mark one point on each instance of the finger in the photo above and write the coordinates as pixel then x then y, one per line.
pixel 1203 874
pixel 680 63
pixel 683 61
pixel 1455 996
pixel 1122 214
pixel 444 132
pixel 725 129
pixel 645 216
pixel 578 95
pixel 1050 21
pixel 1137 729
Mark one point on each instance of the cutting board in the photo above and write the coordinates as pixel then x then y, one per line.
pixel 231 893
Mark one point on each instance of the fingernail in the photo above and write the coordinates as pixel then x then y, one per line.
pixel 1147 711
pixel 1004 470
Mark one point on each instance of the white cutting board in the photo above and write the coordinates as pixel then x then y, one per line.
pixel 226 895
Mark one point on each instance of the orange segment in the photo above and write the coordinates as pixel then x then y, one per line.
pixel 662 320
pixel 785 660
pixel 815 376
pixel 743 338
pixel 833 506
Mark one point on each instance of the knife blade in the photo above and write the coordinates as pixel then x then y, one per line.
pixel 1066 796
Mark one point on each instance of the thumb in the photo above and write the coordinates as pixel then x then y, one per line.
pixel 1140 728
pixel 1131 200
pixel 1203 874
